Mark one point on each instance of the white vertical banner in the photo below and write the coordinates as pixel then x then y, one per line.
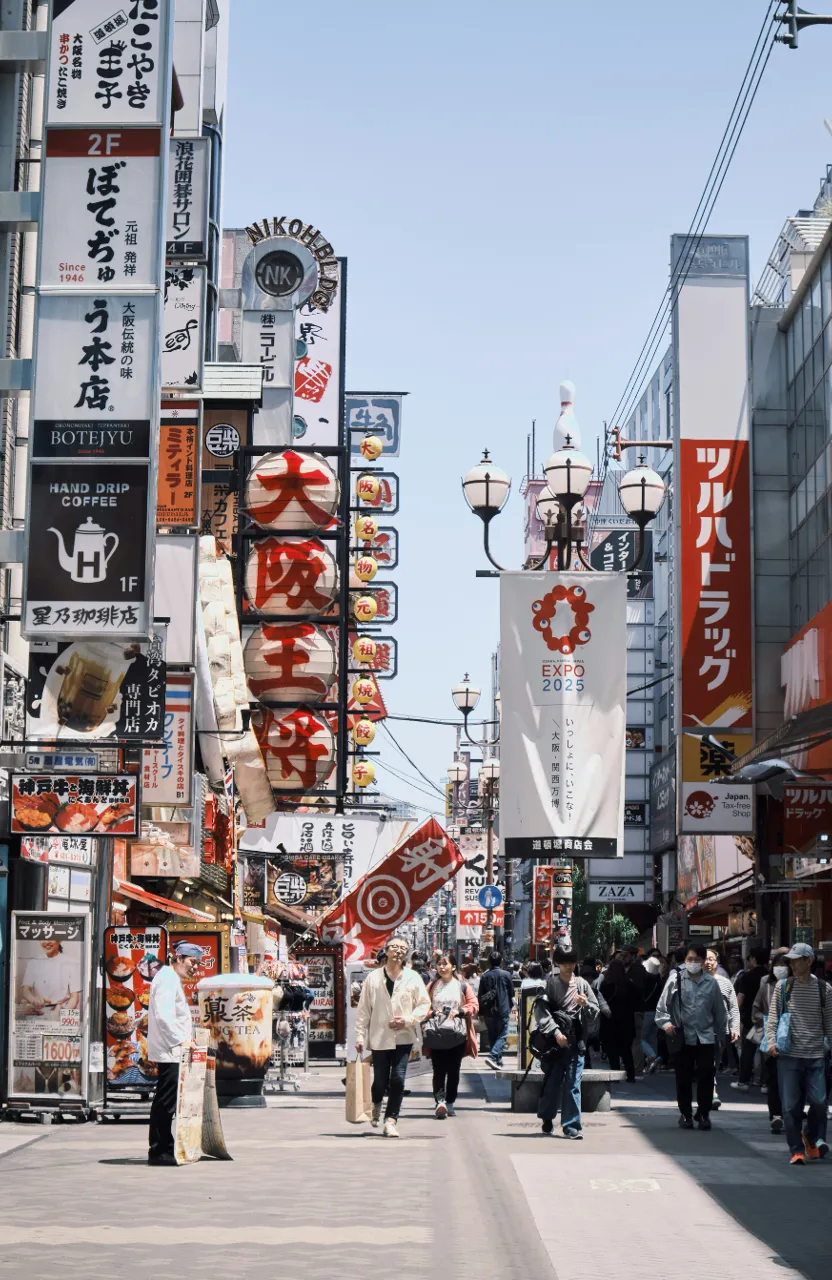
pixel 563 681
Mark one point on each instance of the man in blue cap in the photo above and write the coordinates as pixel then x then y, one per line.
pixel 169 1031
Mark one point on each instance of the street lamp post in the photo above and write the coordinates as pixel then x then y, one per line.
pixel 490 773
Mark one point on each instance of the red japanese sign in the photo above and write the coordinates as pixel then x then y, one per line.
pixel 807 813
pixel 289 491
pixel 386 897
pixel 298 748
pixel 542 906
pixel 311 378
pixel 132 958
pixel 290 575
pixel 104 804
pixel 177 483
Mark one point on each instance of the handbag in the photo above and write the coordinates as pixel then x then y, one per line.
pixel 444 1030
pixel 783 1034
pixel 676 1038
pixel 358 1102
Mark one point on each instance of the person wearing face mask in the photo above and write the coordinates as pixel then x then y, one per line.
pixel 801 1064
pixel 691 1011
pixel 778 971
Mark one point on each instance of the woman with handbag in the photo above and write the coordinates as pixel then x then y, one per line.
pixel 448 1035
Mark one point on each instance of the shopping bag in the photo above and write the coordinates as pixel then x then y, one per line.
pixel 358 1101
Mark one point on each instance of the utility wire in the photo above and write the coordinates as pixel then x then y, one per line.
pixel 411 762
pixel 402 777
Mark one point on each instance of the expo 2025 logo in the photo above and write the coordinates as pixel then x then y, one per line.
pixel 544 612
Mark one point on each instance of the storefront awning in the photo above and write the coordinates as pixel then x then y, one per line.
pixel 128 890
pixel 290 915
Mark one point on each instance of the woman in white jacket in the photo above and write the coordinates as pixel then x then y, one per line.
pixel 394 1001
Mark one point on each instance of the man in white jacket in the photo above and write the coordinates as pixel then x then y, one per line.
pixel 169 1031
pixel 394 1001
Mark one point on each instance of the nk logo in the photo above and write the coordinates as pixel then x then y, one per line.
pixel 279 273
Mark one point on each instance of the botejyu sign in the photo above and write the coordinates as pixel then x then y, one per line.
pixel 563 681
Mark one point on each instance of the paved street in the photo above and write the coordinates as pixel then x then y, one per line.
pixel 483 1194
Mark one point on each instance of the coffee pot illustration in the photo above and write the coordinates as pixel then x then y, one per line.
pixel 89 557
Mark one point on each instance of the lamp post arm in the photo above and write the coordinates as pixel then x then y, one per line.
pixel 479 742
pixel 487 547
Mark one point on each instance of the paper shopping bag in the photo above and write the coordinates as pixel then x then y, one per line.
pixel 358 1101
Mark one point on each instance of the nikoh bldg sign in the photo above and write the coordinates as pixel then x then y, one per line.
pixel 563 680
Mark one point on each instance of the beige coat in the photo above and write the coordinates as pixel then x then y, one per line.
pixel 410 1001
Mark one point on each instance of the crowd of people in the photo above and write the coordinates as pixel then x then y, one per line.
pixel 696 1012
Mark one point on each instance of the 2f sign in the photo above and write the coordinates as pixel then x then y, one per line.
pixel 104 144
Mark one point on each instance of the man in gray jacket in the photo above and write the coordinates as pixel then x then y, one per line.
pixel 692 1004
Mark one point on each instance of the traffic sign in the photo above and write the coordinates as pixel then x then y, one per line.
pixel 490 896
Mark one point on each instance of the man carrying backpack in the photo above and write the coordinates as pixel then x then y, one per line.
pixel 496 997
pixel 569 1016
pixel 799 1018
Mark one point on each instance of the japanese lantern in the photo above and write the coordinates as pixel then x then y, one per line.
pixel 367 489
pixel 364 690
pixel 289 662
pixel 365 608
pixel 366 568
pixel 363 773
pixel 371 448
pixel 363 732
pixel 364 649
pixel 298 748
pixel 290 575
pixel 291 490
pixel 366 528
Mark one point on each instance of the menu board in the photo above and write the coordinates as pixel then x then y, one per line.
pixel 48 1025
pixel 88 804
pixel 326 1015
pixel 132 958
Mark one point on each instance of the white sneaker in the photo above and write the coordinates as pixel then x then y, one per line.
pixel 737 1084
pixel 376 1116
pixel 441 1111
pixel 390 1130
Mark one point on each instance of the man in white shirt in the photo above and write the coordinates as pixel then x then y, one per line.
pixel 169 1031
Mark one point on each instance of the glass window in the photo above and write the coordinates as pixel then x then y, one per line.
pixel 792 512
pixel 797 451
pixel 808 336
pixel 817 318
pixel 826 286
pixel 797 325
pixel 799 600
pixel 827 346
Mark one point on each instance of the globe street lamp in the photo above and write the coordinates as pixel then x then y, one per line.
pixel 489 778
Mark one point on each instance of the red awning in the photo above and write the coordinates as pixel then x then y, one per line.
pixel 167 905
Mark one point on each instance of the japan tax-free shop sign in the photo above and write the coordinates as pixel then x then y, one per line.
pixel 563 678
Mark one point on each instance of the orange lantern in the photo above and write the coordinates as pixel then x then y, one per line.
pixel 366 568
pixel 371 448
pixel 290 575
pixel 289 661
pixel 363 732
pixel 365 608
pixel 367 489
pixel 363 773
pixel 366 528
pixel 290 490
pixel 364 649
pixel 363 690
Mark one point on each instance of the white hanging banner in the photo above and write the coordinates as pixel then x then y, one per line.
pixel 183 330
pixel 563 680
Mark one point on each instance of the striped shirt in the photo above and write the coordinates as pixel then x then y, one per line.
pixel 807 1024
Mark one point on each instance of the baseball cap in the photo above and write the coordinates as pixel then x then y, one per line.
pixel 800 951
pixel 188 951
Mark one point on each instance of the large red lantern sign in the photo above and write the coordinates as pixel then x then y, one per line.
pixel 289 662
pixel 292 491
pixel 298 748
pixel 290 575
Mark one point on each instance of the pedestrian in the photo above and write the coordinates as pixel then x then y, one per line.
pixel 394 1001
pixel 573 996
pixel 496 997
pixel 419 963
pixel 747 985
pixel 471 974
pixel 534 980
pixel 691 1011
pixel 619 1029
pixel 729 995
pixel 801 1064
pixel 169 1032
pixel 450 996
pixel 778 971
pixel 653 984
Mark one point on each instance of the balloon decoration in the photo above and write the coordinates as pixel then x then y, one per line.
pixel 363 690
pixel 365 608
pixel 364 649
pixel 371 447
pixel 366 568
pixel 366 528
pixel 367 489
pixel 291 575
pixel 292 491
pixel 298 747
pixel 289 661
pixel 363 773
pixel 363 732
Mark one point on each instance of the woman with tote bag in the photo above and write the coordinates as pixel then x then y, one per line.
pixel 448 1035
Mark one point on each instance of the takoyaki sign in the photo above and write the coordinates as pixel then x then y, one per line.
pixel 49 804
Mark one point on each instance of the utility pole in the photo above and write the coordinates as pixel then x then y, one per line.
pixel 794 19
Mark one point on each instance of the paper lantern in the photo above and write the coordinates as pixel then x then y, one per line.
pixel 366 528
pixel 291 490
pixel 365 608
pixel 363 690
pixel 364 649
pixel 290 575
pixel 367 489
pixel 371 447
pixel 298 748
pixel 363 732
pixel 366 568
pixel 289 662
pixel 363 773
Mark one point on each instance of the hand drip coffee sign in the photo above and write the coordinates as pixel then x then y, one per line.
pixel 88 560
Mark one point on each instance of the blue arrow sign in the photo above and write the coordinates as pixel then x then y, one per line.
pixel 490 896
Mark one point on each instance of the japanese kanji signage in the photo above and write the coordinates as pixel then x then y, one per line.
pixel 86 571
pixel 95 689
pixel 357 840
pixel 616 549
pixel 563 680
pixel 378 414
pixel 100 210
pixel 713 524
pixel 132 958
pixel 49 1019
pixel 319 374
pixel 167 771
pixel 471 877
pixel 109 62
pixel 186 234
pixel 90 804
pixel 542 891
pixel 72 851
pixel 183 328
pixel 177 478
pixel 389 895
pixel 807 813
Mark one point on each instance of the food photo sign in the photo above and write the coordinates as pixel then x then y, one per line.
pixel 132 958
pixel 51 804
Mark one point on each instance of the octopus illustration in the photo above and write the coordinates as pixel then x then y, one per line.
pixel 545 609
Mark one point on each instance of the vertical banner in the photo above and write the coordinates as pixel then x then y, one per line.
pixel 473 845
pixel 563 679
pixel 132 958
pixel 177 483
pixel 186 233
pixel 544 878
pixel 714 671
pixel 167 771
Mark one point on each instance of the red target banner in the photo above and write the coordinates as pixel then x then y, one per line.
pixel 388 896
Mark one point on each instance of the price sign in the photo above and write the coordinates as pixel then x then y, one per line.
pixel 59 1049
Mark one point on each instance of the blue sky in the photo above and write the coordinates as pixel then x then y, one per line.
pixel 503 180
